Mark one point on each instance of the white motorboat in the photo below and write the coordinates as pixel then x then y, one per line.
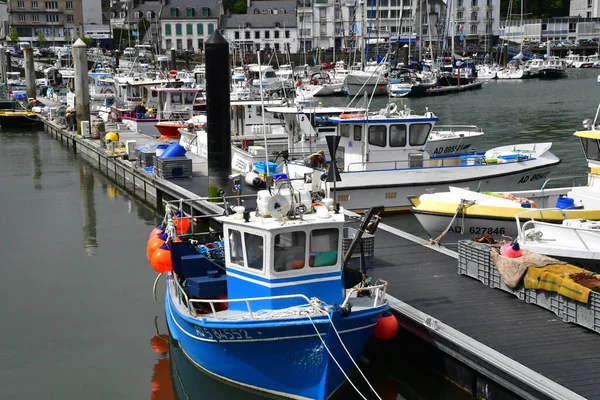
pixel 382 160
pixel 576 241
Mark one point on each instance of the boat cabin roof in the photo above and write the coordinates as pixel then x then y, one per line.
pixel 313 110
pixel 381 119
pixel 181 89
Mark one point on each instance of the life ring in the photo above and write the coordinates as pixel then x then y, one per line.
pixel 392 108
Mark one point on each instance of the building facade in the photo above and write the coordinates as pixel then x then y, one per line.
pixel 60 21
pixel 584 8
pixel 248 33
pixel 572 29
pixel 186 26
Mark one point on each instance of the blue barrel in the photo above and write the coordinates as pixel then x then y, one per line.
pixel 174 150
pixel 526 205
pixel 565 202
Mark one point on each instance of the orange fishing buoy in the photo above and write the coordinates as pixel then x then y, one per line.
pixel 182 223
pixel 386 327
pixel 156 231
pixel 161 259
pixel 160 344
pixel 154 243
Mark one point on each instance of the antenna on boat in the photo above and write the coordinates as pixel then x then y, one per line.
pixel 262 105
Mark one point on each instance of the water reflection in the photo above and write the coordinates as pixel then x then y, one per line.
pixel 88 207
pixel 37 161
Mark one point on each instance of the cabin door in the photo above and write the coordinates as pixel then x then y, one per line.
pixel 352 142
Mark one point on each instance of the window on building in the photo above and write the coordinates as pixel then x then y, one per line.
pixel 277 47
pixel 459 3
pixel 323 251
pixel 490 3
pixel 267 34
pixel 590 3
pixel 205 12
pixel 256 34
pixel 137 15
pixel 51 5
pixel 200 44
pixel 377 135
pixel 247 35
pixel 69 18
pixel 168 44
pixel 35 18
pixel 290 251
pixel 189 29
pixel 178 30
pixel 21 17
pixel 420 132
pixel 474 3
pixel 397 135
pixel 69 5
pixel 190 45
pixel 276 33
pixel 51 18
pixel 179 44
pixel 589 14
pixel 474 16
pixel 149 15
pixel 173 12
pixel 200 29
pixel 20 4
pixel 473 30
pixel 34 4
pixel 211 28
pixel 236 34
pixel 189 12
pixel 168 29
pixel 287 34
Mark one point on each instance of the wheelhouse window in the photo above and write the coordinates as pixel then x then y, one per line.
pixel 419 134
pixel 236 249
pixel 591 149
pixel 324 247
pixel 344 130
pixel 254 250
pixel 290 251
pixel 397 135
pixel 357 132
pixel 377 135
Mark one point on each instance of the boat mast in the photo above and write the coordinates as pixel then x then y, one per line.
pixel 420 29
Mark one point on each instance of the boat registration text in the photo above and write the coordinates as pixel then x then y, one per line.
pixel 479 230
pixel 222 334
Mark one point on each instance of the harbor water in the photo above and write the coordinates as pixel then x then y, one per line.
pixel 80 321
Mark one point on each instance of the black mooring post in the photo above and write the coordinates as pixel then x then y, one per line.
pixel 218 129
pixel 173 58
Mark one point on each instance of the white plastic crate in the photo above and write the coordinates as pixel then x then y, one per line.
pixel 586 315
pixel 474 260
pixel 497 283
pixel 549 300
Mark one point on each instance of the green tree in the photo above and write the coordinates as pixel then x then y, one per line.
pixel 87 40
pixel 13 35
pixel 143 26
pixel 105 5
pixel 41 38
pixel 240 7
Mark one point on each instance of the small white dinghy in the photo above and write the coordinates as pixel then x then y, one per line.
pixel 575 240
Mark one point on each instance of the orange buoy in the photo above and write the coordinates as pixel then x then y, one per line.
pixel 160 344
pixel 156 231
pixel 386 327
pixel 154 243
pixel 161 259
pixel 182 223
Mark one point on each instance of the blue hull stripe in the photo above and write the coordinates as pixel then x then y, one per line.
pixel 293 280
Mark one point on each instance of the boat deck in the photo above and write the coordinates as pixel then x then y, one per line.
pixel 534 337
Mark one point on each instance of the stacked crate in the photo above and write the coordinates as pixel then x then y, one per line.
pixel 174 167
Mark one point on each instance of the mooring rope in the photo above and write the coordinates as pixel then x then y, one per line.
pixel 460 209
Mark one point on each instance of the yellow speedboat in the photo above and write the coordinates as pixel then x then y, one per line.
pixel 462 214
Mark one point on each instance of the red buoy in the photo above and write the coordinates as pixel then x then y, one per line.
pixel 161 259
pixel 156 231
pixel 154 243
pixel 182 223
pixel 386 327
pixel 160 344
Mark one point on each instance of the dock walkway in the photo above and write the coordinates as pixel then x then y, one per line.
pixel 539 343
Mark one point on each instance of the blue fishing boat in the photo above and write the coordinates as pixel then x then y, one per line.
pixel 271 306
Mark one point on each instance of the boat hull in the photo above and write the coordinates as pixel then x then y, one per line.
pixel 392 188
pixel 169 130
pixel 552 74
pixel 284 358
pixel 15 119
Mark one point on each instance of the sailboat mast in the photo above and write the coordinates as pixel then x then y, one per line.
pixel 420 29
